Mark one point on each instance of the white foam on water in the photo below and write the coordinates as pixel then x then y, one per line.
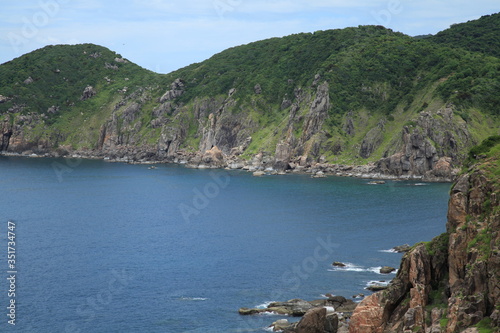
pixel 272 313
pixel 374 269
pixel 349 267
pixel 377 283
pixel 193 299
pixel 388 251
pixel 264 305
pixel 354 268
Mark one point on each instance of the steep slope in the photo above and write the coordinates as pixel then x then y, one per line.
pixel 357 96
pixel 453 282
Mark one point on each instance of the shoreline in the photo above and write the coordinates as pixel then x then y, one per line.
pixel 195 161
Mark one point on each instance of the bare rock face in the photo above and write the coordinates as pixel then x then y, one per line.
pixel 170 140
pixel 317 113
pixel 458 271
pixel 474 246
pixel 369 316
pixel 372 140
pixel 176 90
pixel 282 156
pixel 223 128
pixel 431 148
pixel 6 133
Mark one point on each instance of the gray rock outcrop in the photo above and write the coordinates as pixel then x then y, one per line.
pixel 88 92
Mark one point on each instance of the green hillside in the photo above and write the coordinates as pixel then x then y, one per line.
pixel 60 73
pixel 376 81
pixel 482 35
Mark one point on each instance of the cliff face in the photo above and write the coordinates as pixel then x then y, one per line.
pixel 358 101
pixel 138 125
pixel 430 148
pixel 453 282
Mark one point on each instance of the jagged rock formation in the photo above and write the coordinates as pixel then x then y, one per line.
pixel 432 148
pixel 453 282
pixel 325 103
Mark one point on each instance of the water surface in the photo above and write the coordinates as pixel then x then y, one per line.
pixel 104 247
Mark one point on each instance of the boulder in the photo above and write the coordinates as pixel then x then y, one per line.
pixel 250 311
pixel 318 321
pixel 213 156
pixel 319 174
pixel 280 325
pixel 294 307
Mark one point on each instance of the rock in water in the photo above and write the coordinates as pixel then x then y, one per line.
pixel 248 311
pixel 402 248
pixel 339 264
pixel 387 270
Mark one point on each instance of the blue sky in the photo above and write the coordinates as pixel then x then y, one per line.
pixel 165 35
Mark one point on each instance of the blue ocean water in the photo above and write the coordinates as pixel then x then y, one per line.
pixel 104 247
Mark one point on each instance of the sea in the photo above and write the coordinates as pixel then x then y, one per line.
pixel 113 247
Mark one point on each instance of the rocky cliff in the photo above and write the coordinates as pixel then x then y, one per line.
pixel 360 101
pixel 453 282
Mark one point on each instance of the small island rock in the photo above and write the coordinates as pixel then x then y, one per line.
pixel 387 270
pixel 402 248
pixel 339 264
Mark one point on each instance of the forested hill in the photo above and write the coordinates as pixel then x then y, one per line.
pixel 349 96
pixel 481 35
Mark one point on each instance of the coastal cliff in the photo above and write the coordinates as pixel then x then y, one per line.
pixel 354 101
pixel 451 284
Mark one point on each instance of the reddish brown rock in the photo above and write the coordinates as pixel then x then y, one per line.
pixel 459 270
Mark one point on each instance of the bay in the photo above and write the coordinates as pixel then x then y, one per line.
pixel 105 247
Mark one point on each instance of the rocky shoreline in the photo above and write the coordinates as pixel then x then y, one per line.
pixel 261 164
pixel 329 315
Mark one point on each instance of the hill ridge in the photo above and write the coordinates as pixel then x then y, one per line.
pixel 355 96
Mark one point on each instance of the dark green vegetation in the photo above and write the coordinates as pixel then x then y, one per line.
pixel 61 73
pixel 478 36
pixel 367 67
pixel 374 74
